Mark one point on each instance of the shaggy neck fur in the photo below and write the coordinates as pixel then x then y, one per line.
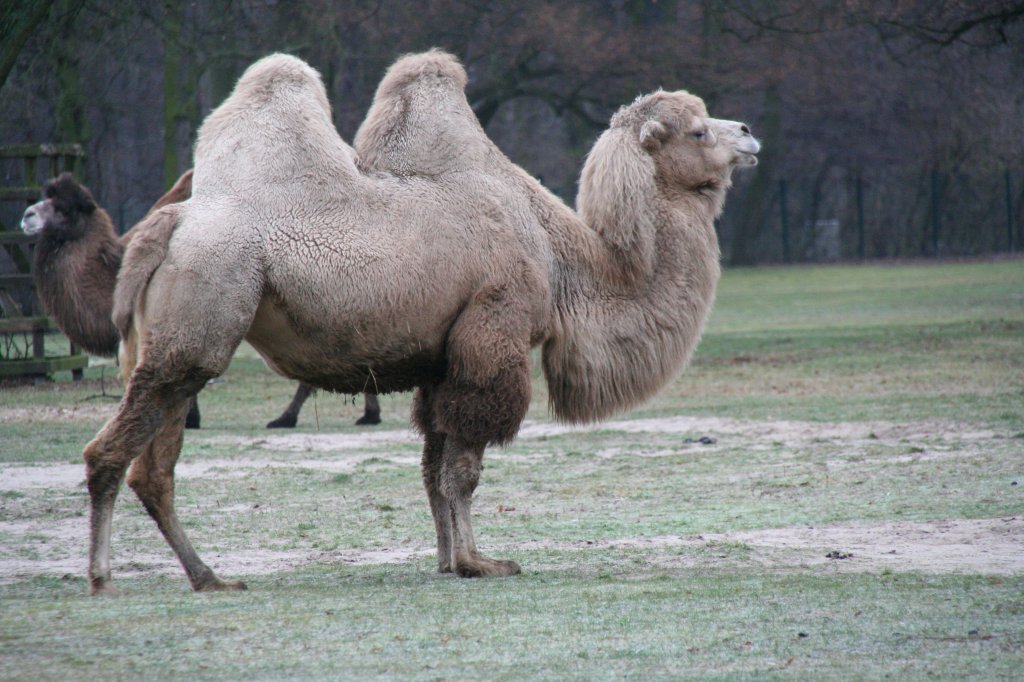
pixel 75 270
pixel 633 304
pixel 631 274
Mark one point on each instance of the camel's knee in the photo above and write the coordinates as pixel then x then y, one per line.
pixel 104 469
pixel 169 385
pixel 460 473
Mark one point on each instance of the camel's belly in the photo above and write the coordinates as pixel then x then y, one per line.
pixel 351 357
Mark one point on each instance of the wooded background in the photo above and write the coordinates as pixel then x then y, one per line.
pixel 890 129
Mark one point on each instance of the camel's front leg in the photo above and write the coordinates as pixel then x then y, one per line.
pixel 460 473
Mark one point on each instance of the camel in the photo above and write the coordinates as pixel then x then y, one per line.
pixel 290 417
pixel 431 263
pixel 76 260
pixel 75 269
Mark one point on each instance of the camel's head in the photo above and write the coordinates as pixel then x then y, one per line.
pixel 689 149
pixel 64 203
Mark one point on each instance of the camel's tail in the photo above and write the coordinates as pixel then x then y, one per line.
pixel 144 254
pixel 181 191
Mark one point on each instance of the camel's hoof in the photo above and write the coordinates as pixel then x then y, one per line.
pixel 368 419
pixel 218 585
pixel 482 567
pixel 285 421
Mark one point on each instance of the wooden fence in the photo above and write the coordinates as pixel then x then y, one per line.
pixel 23 326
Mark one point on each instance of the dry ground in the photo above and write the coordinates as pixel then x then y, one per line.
pixel 993 546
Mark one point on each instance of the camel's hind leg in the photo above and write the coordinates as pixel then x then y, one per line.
pixel 171 352
pixel 290 417
pixel 152 478
pixel 433 456
pixel 144 408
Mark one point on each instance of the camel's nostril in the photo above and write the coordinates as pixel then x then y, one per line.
pixel 745 129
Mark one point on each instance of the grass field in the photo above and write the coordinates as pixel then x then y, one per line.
pixel 856 510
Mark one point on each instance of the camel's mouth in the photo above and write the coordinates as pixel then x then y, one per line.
pixel 746 159
pixel 746 150
pixel 31 222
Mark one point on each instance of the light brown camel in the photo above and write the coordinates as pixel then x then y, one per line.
pixel 436 277
pixel 75 264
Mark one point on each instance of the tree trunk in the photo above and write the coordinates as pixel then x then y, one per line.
pixel 173 20
pixel 72 125
pixel 17 23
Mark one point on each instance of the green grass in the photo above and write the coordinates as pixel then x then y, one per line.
pixel 902 394
pixel 857 343
pixel 338 622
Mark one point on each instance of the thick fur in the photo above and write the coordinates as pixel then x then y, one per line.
pixel 431 262
pixel 308 262
pixel 75 267
pixel 77 259
pixel 631 276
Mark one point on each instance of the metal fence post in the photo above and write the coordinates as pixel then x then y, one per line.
pixel 860 218
pixel 784 216
pixel 936 224
pixel 1009 212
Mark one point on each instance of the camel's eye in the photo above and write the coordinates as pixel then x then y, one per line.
pixel 698 134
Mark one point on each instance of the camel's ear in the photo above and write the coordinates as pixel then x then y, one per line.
pixel 652 134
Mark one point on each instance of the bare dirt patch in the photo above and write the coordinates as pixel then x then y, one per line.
pixel 986 546
pixel 967 546
pixel 785 431
pixel 979 546
pixel 345 448
pixel 21 478
pixel 98 410
pixel 958 546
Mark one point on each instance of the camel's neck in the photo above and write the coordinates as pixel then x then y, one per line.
pixel 636 292
pixel 75 281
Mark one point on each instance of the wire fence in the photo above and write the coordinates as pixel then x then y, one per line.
pixel 841 215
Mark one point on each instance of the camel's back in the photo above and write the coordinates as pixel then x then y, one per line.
pixel 375 266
